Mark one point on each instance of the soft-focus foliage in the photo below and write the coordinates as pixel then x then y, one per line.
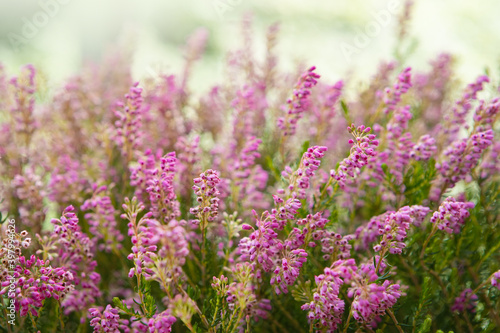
pixel 271 203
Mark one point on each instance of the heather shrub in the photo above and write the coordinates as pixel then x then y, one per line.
pixel 273 202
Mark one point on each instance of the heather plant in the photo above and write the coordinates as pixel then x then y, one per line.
pixel 273 202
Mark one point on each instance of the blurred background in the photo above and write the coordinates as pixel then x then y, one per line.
pixel 60 36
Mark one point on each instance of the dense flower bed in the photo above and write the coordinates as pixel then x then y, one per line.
pixel 275 202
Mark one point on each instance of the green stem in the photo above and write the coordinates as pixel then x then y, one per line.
pixel 289 316
pixel 434 229
pixel 33 322
pixel 381 257
pixel 216 309
pixel 483 284
pixel 59 314
pixel 8 325
pixel 197 309
pixel 490 252
pixel 348 320
pixel 389 312
pixel 230 323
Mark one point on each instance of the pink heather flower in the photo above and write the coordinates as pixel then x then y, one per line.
pixel 458 117
pixel 247 105
pixel 398 123
pixel 161 322
pixel 324 114
pixel 284 211
pixel 35 281
pixel 244 180
pixel 145 170
pixel 286 206
pixel 205 188
pixel 241 293
pixel 490 165
pixel 424 149
pixel 167 253
pixel 29 189
pixel 393 232
pixel 393 96
pixel 101 219
pixel 142 237
pixel 261 247
pixel 211 111
pixel 72 248
pixel 311 231
pixel 188 155
pixel 451 215
pixel 220 285
pixel 459 160
pixel 288 269
pixel 391 225
pixel 334 245
pixel 300 179
pixel 495 280
pixel 326 308
pixel 67 181
pixel 107 320
pixel 362 148
pixel 24 104
pixel 299 102
pixel 371 299
pixel 486 115
pixel 396 155
pixel 164 204
pixel 163 123
pixel 466 301
pixel 432 87
pixel 127 135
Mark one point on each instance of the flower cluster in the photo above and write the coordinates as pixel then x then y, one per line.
pixel 457 118
pixel 424 149
pixel 362 148
pixel 326 307
pixel 67 181
pixel 205 188
pixel 288 270
pixel 165 265
pixel 451 215
pixel 299 102
pixel 164 204
pixel 29 189
pixel 463 156
pixel 261 247
pixel 299 180
pixel 393 232
pixel 24 105
pixel 101 219
pixel 466 301
pixel 161 322
pixel 36 281
pixel 69 247
pixel 393 96
pixel 372 300
pixel 311 231
pixel 107 320
pixel 391 226
pixel 142 237
pixel 127 126
pixel 335 245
